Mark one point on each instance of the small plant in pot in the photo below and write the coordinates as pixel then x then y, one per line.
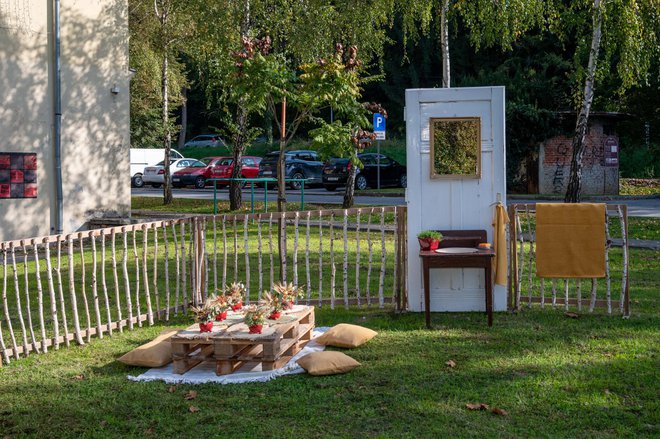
pixel 287 293
pixel 204 315
pixel 234 294
pixel 255 317
pixel 275 304
pixel 221 304
pixel 429 240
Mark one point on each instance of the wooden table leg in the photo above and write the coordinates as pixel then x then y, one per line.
pixel 427 294
pixel 489 293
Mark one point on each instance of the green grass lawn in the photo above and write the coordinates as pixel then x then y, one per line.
pixel 595 376
pixel 639 186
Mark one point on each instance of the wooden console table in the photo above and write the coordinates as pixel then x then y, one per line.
pixel 480 259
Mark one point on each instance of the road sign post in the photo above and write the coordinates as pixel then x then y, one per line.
pixel 379 131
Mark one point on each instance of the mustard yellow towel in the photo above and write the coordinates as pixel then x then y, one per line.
pixel 570 240
pixel 500 220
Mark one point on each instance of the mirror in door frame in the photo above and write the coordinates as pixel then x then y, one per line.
pixel 455 144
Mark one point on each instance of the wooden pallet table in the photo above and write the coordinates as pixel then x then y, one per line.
pixel 190 346
pixel 273 348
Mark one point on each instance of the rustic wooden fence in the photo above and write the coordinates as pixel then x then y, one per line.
pixel 611 293
pixel 63 288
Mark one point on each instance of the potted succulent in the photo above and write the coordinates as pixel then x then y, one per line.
pixel 287 293
pixel 221 304
pixel 429 240
pixel 204 315
pixel 234 294
pixel 275 304
pixel 255 317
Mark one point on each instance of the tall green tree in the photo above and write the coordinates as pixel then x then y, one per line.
pixel 488 22
pixel 628 30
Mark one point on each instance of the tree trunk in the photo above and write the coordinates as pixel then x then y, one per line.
pixel 281 188
pixel 239 144
pixel 167 135
pixel 444 44
pixel 350 188
pixel 575 179
pixel 239 140
pixel 184 118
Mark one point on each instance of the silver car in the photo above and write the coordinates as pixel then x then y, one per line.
pixel 205 141
pixel 155 175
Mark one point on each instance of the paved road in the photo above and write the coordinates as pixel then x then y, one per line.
pixel 649 207
pixel 312 195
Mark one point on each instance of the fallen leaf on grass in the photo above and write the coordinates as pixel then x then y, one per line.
pixel 477 406
pixel 498 411
pixel 171 389
pixel 191 395
pixel 451 363
pixel 193 409
pixel 572 315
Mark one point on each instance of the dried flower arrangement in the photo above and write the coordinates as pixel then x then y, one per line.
pixel 274 303
pixel 287 293
pixel 204 315
pixel 235 293
pixel 221 303
pixel 255 317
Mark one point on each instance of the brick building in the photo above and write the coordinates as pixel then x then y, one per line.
pixel 600 171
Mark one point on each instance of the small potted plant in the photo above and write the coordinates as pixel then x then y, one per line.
pixel 222 305
pixel 275 304
pixel 234 294
pixel 429 240
pixel 255 317
pixel 204 315
pixel 288 293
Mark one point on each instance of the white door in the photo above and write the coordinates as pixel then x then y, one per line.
pixel 455 203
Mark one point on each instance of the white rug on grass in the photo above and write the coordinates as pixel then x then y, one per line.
pixel 205 372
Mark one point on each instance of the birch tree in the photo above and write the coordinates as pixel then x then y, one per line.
pixel 629 31
pixel 489 22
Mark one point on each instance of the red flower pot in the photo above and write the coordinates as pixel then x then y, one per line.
pixel 256 329
pixel 428 244
pixel 237 306
pixel 221 316
pixel 275 315
pixel 206 327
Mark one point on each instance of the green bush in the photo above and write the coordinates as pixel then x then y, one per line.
pixel 640 162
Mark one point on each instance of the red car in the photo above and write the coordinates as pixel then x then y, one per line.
pixel 202 170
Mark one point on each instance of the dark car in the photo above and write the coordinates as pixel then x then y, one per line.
pixel 298 164
pixel 335 172
pixel 213 167
pixel 205 140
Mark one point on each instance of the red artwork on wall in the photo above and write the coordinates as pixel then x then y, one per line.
pixel 18 175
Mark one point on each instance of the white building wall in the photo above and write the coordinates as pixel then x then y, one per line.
pixel 453 204
pixel 95 123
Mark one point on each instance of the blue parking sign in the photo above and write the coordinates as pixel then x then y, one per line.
pixel 379 126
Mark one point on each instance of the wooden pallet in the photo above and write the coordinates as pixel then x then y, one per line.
pixel 272 349
pixel 190 347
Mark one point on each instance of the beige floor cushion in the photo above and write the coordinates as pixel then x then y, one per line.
pixel 327 363
pixel 156 353
pixel 346 336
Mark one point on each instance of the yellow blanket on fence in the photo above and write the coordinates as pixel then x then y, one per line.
pixel 570 240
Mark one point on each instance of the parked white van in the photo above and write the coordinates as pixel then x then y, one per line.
pixel 143 157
